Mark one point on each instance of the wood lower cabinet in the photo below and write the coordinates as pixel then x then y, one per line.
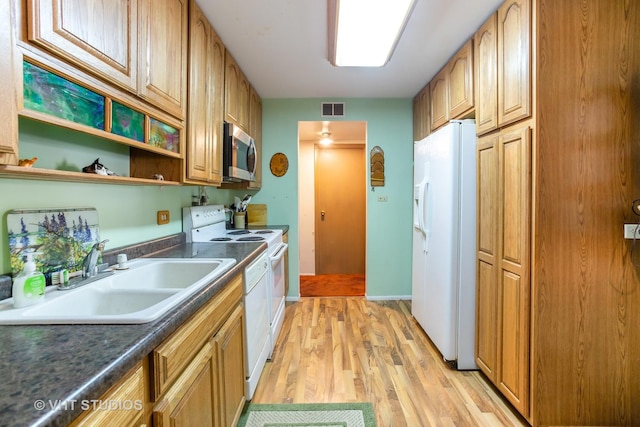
pixel 192 400
pixel 503 288
pixel 229 343
pixel 198 372
pixel 206 101
pixel 129 398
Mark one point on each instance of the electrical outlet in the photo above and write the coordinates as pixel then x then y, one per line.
pixel 383 198
pixel 163 217
pixel 632 231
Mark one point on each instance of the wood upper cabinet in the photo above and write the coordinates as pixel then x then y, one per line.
pixel 206 86
pixel 421 116
pixel 503 67
pixel 232 76
pixel 514 63
pixel 11 82
pixel 97 35
pixel 460 81
pixel 486 71
pixel 244 96
pixel 162 42
pixel 439 100
pixel 503 286
pixel 255 130
pixel 138 45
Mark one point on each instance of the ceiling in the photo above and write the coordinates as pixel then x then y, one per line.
pixel 281 45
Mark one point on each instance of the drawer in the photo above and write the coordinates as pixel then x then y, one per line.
pixel 122 405
pixel 171 357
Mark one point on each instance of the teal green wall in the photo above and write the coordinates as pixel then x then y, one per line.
pixel 126 213
pixel 389 125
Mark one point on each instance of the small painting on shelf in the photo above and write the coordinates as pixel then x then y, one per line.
pixel 51 94
pixel 163 136
pixel 127 122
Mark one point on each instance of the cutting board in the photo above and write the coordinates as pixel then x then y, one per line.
pixel 256 214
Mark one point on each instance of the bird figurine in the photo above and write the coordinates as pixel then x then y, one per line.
pixel 27 163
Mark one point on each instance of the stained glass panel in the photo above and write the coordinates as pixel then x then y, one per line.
pixel 127 122
pixel 164 136
pixel 49 93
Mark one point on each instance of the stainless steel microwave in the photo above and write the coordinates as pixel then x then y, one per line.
pixel 239 155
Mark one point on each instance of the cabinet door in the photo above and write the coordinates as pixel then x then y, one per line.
pixel 486 69
pixel 487 267
pixel 192 400
pixel 255 130
pixel 200 85
pixel 421 116
pixel 163 44
pixel 98 35
pixel 460 76
pixel 129 392
pixel 514 284
pixel 231 90
pixel 514 65
pixel 10 69
pixel 244 95
pixel 230 348
pixel 216 63
pixel 439 101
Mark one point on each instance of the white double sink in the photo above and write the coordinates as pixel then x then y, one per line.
pixel 148 289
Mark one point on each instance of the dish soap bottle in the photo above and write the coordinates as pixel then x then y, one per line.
pixel 28 285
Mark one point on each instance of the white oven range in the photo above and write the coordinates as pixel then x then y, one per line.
pixel 264 297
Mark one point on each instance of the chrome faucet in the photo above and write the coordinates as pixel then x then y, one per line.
pixel 91 260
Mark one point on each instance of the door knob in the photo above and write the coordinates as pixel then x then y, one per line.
pixel 322 214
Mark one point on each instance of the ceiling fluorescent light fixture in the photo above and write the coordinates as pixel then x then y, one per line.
pixel 364 33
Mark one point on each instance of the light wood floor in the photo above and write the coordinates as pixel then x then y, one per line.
pixel 354 350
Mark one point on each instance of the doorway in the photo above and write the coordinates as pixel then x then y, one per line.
pixel 332 217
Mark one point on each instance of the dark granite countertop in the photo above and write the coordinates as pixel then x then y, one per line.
pixel 60 366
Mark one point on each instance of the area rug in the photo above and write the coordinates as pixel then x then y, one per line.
pixel 308 415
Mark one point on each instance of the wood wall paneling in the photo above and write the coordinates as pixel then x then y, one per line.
pixel 586 367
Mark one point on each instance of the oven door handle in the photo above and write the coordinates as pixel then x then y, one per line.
pixel 277 257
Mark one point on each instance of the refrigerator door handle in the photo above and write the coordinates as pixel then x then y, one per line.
pixel 424 216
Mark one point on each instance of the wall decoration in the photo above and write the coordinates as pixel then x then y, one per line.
pixel 279 164
pixel 51 94
pixel 59 238
pixel 377 167
pixel 163 136
pixel 127 122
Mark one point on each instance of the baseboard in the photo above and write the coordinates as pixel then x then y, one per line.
pixel 389 298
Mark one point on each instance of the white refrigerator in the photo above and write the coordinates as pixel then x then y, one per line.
pixel 444 240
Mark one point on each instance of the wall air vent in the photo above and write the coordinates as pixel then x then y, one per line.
pixel 332 109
